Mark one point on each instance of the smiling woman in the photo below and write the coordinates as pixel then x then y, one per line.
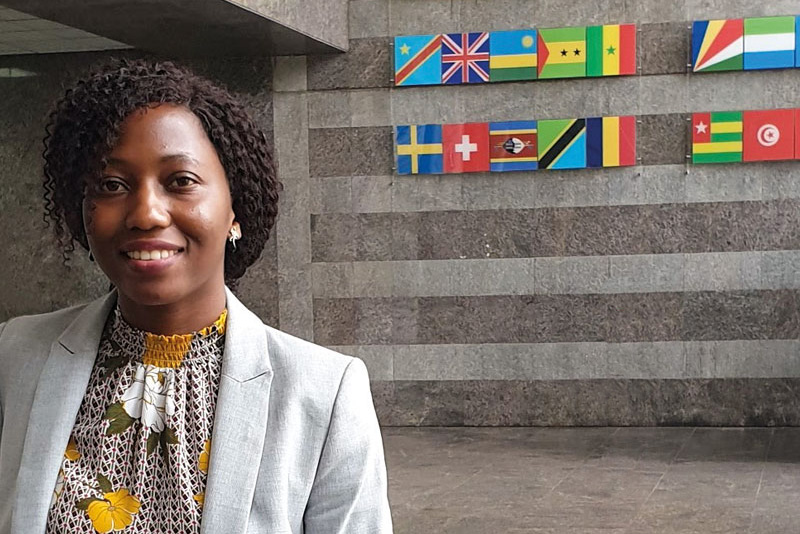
pixel 166 405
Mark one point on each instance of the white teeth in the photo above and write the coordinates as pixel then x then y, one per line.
pixel 147 255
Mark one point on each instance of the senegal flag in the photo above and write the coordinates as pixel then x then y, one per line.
pixel 611 50
pixel 717 137
pixel 562 52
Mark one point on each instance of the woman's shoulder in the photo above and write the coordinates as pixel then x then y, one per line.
pixel 288 350
pixel 42 327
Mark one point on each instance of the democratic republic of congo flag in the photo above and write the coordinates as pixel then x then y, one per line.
pixel 562 144
pixel 418 60
pixel 717 137
pixel 717 45
pixel 562 52
pixel 769 43
pixel 611 50
pixel 611 141
pixel 419 149
pixel 512 55
pixel 513 146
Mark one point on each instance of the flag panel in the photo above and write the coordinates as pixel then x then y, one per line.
pixel 465 58
pixel 717 137
pixel 512 55
pixel 562 52
pixel 562 144
pixel 717 45
pixel 611 141
pixel 513 146
pixel 768 135
pixel 419 149
pixel 611 50
pixel 466 147
pixel 417 60
pixel 769 43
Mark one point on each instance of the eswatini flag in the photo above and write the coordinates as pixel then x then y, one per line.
pixel 611 50
pixel 611 141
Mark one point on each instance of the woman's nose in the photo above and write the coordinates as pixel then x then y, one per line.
pixel 148 208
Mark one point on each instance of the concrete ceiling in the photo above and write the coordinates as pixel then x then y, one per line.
pixel 176 28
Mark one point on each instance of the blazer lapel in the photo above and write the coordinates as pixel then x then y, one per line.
pixel 240 423
pixel 58 397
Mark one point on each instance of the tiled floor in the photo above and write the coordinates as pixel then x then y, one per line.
pixel 594 480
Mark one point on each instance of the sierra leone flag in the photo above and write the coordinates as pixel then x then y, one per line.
pixel 769 43
pixel 717 137
pixel 512 55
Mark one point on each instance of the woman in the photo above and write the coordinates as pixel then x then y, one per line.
pixel 167 406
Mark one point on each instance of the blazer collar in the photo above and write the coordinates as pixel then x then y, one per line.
pixel 245 338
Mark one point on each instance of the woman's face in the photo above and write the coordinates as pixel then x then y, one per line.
pixel 158 216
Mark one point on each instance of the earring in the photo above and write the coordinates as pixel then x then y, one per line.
pixel 233 236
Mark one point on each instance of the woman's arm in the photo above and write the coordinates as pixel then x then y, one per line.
pixel 349 495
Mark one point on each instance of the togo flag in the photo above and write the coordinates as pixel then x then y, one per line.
pixel 611 141
pixel 717 45
pixel 512 55
pixel 717 137
pixel 769 43
pixel 562 52
pixel 611 50
pixel 562 144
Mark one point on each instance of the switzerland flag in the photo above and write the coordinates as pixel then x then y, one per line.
pixel 466 147
pixel 768 135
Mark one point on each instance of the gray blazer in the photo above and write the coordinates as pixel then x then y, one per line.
pixel 296 445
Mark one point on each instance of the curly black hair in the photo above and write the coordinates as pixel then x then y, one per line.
pixel 85 123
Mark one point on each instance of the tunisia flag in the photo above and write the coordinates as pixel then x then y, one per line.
pixel 466 147
pixel 768 135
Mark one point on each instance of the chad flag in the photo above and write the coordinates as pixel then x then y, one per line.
pixel 611 50
pixel 562 52
pixel 611 141
pixel 512 55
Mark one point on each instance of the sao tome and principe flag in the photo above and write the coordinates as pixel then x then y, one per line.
pixel 717 45
pixel 611 141
pixel 513 146
pixel 769 43
pixel 768 135
pixel 419 149
pixel 466 147
pixel 717 137
pixel 562 52
pixel 611 50
pixel 512 55
pixel 562 143
pixel 418 60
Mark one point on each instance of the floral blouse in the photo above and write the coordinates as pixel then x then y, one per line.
pixel 137 460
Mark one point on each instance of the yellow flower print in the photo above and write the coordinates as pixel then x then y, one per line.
pixel 200 499
pixel 72 453
pixel 202 462
pixel 115 512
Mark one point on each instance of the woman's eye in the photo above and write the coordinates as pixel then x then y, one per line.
pixel 111 185
pixel 183 181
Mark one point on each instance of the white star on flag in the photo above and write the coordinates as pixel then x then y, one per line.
pixel 701 127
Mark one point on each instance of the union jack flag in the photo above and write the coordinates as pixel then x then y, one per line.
pixel 465 58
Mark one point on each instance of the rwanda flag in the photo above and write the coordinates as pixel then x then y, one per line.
pixel 512 55
pixel 562 144
pixel 769 43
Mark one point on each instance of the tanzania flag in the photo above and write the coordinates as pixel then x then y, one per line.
pixel 769 43
pixel 611 141
pixel 562 144
pixel 512 146
pixel 562 53
pixel 512 55
pixel 717 45
pixel 717 137
pixel 418 60
pixel 419 149
pixel 611 50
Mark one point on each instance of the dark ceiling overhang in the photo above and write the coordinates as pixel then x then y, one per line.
pixel 194 28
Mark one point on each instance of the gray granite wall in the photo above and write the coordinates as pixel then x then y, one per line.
pixel 657 294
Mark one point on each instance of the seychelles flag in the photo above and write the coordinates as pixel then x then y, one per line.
pixel 717 45
pixel 769 43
